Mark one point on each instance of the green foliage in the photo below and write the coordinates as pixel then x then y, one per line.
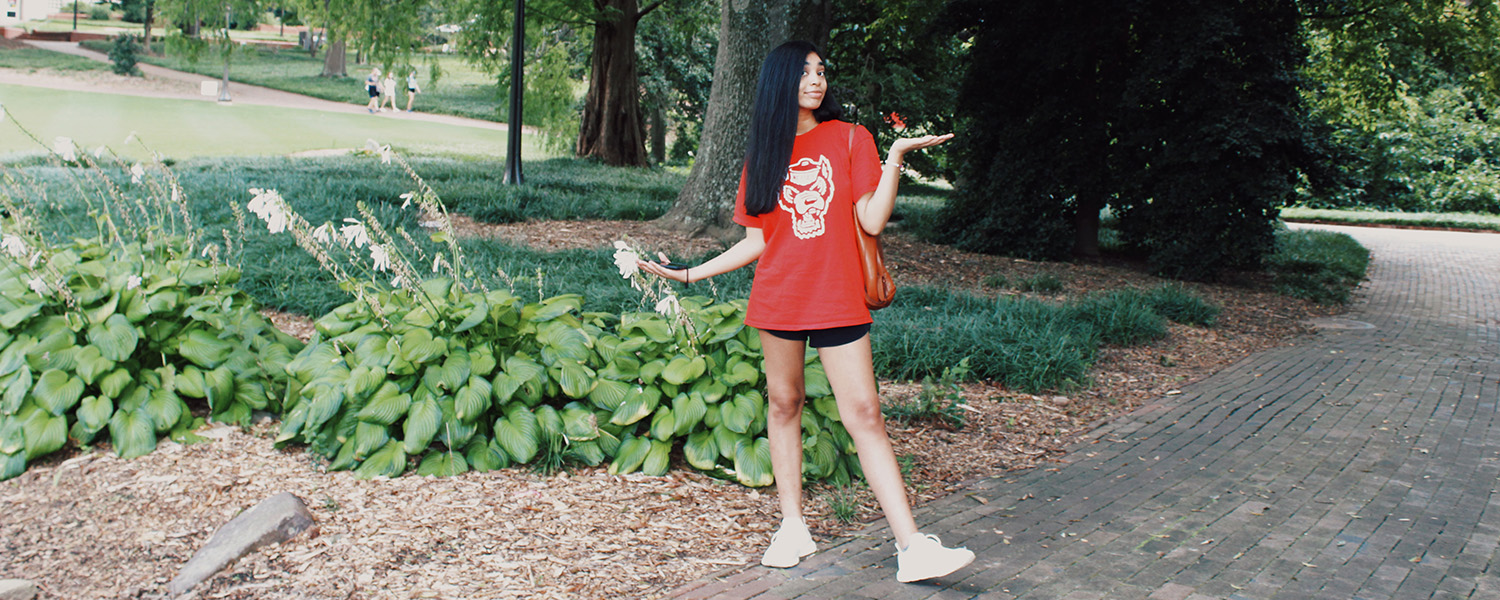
pixel 486 376
pixel 1179 305
pixel 99 12
pixel 1122 317
pixel 898 64
pixel 941 401
pixel 1402 93
pixel 1041 283
pixel 129 340
pixel 122 52
pixel 1128 106
pixel 844 501
pixel 1321 266
pixel 676 50
pixel 134 11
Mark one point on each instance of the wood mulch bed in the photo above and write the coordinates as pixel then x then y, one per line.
pixel 85 524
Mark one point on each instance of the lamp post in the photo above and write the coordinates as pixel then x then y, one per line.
pixel 513 128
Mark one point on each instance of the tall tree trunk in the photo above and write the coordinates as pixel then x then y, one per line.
pixel 748 30
pixel 150 16
pixel 658 135
pixel 1086 225
pixel 335 63
pixel 613 129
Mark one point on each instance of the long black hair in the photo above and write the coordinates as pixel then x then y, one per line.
pixel 773 123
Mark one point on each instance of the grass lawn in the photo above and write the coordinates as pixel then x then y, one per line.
pixel 462 90
pixel 1371 217
pixel 31 59
pixel 182 128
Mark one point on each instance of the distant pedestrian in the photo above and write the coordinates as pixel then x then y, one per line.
pixel 411 89
pixel 388 88
pixel 372 84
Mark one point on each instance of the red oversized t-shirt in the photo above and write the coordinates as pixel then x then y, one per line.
pixel 809 276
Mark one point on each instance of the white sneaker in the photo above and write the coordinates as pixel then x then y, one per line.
pixel 925 558
pixel 788 545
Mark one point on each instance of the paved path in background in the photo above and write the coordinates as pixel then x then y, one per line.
pixel 1360 463
pixel 183 85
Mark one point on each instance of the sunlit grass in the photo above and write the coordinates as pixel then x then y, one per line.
pixel 184 128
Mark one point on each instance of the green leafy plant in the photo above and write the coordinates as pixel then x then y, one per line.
pixel 940 401
pixel 844 501
pixel 1041 283
pixel 127 339
pixel 994 280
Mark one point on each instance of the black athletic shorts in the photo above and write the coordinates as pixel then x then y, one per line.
pixel 823 338
pixel 374 91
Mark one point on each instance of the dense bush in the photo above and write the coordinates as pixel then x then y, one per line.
pixel 483 381
pixel 132 339
pixel 123 54
pixel 1321 266
pixel 1434 153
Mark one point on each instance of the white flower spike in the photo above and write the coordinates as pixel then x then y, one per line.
pixel 132 282
pixel 625 260
pixel 37 285
pixel 354 233
pixel 65 148
pixel 14 246
pixel 324 234
pixel 380 257
pixel 269 206
pixel 136 172
pixel 668 306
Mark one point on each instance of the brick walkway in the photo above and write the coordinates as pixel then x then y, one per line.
pixel 1361 463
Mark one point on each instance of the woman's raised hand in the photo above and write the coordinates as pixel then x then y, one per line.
pixel 900 147
pixel 660 270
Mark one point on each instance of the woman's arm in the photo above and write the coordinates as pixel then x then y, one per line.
pixel 742 253
pixel 874 209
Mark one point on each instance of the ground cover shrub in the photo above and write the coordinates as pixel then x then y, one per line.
pixel 1321 266
pixel 98 12
pixel 1025 344
pixel 1176 303
pixel 127 338
pixel 1124 317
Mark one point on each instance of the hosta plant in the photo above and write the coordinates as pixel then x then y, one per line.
pixel 450 380
pixel 122 341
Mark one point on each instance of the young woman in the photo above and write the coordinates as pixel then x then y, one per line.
pixel 809 180
pixel 411 89
pixel 372 85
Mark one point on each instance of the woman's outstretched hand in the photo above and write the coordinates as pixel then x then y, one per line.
pixel 660 270
pixel 900 147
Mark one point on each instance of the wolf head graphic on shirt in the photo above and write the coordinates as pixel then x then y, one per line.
pixel 807 193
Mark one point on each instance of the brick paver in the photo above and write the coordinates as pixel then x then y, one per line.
pixel 1363 462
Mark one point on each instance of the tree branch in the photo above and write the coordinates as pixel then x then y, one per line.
pixel 642 12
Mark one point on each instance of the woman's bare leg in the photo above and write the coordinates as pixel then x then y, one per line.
pixel 852 375
pixel 784 385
